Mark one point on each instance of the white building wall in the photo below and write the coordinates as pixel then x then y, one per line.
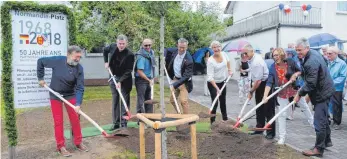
pixel 291 34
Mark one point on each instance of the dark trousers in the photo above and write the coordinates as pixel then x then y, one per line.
pixel 336 101
pixel 321 125
pixel 266 111
pixel 143 90
pixel 222 100
pixel 117 105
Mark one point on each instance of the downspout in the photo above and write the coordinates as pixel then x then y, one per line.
pixel 278 41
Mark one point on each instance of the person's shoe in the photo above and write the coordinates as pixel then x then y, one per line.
pixel 82 147
pixel 270 137
pixel 256 133
pixel 337 127
pixel 280 142
pixel 114 127
pixel 312 152
pixel 329 144
pixel 290 118
pixel 64 152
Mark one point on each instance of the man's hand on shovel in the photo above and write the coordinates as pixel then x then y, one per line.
pixel 77 109
pixel 42 83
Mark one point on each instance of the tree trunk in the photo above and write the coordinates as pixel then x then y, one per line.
pixel 162 103
pixel 12 152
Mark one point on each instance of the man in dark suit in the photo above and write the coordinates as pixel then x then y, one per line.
pixel 268 55
pixel 121 64
pixel 180 69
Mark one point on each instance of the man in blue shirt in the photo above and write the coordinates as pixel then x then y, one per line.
pixel 68 80
pixel 144 73
pixel 337 70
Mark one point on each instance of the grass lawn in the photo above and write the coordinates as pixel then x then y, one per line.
pixel 90 93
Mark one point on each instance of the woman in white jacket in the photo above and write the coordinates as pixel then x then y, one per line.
pixel 218 69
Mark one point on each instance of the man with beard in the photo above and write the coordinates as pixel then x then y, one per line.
pixel 68 80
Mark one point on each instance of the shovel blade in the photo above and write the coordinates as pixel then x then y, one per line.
pixel 258 129
pixel 122 132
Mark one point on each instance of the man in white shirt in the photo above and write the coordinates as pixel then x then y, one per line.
pixel 180 70
pixel 259 74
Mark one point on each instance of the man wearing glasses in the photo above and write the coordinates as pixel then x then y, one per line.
pixel 144 74
pixel 320 87
pixel 259 74
pixel 180 70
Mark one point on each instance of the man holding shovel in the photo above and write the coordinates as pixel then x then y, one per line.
pixel 67 80
pixel 121 64
pixel 180 70
pixel 144 73
pixel 320 87
pixel 259 74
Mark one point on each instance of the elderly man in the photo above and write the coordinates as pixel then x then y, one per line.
pixel 320 87
pixel 68 80
pixel 259 74
pixel 144 68
pixel 291 46
pixel 338 70
pixel 180 70
pixel 121 65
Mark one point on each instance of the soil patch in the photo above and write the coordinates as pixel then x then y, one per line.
pixel 225 145
pixel 36 138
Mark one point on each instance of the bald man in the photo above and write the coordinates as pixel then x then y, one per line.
pixel 144 74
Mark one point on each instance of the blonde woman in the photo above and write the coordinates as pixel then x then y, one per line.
pixel 281 72
pixel 218 70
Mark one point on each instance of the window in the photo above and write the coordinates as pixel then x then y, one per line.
pixel 342 6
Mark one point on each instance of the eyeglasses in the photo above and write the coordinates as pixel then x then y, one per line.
pixel 275 55
pixel 149 45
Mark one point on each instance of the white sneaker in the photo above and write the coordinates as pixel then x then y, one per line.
pixel 280 141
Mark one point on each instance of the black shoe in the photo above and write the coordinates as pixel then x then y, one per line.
pixel 329 144
pixel 114 127
pixel 256 133
pixel 270 137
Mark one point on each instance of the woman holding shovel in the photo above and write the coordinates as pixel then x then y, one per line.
pixel 282 71
pixel 218 70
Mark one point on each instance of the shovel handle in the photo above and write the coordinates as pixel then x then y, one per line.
pixel 242 109
pixel 72 106
pixel 262 102
pixel 172 93
pixel 119 91
pixel 221 90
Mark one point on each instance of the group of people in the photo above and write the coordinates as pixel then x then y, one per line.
pixel 68 80
pixel 322 80
pixel 316 78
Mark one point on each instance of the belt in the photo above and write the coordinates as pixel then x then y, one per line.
pixel 177 78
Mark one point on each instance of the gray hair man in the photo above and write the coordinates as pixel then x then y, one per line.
pixel 338 69
pixel 68 80
pixel 121 64
pixel 180 70
pixel 320 87
pixel 259 74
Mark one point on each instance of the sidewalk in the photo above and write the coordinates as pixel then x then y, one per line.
pixel 300 135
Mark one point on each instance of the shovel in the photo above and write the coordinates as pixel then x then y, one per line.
pixel 103 132
pixel 267 126
pixel 172 93
pixel 242 109
pixel 260 104
pixel 122 98
pixel 203 115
